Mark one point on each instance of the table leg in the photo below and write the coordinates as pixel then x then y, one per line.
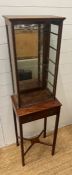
pixel 45 124
pixel 22 147
pixel 16 132
pixel 55 132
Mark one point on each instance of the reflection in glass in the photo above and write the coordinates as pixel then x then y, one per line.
pixel 54 28
pixel 29 43
pixel 53 40
pixel 52 55
pixel 50 78
pixel 51 67
pixel 33 66
pixel 26 38
pixel 50 87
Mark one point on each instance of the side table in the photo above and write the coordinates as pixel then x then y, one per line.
pixel 32 113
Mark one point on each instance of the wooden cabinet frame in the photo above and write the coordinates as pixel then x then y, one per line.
pixel 47 21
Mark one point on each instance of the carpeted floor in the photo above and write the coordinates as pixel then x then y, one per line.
pixel 39 160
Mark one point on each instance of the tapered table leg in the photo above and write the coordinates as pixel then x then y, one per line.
pixel 55 132
pixel 22 147
pixel 45 124
pixel 16 131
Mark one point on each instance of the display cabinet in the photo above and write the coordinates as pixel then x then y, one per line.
pixel 34 47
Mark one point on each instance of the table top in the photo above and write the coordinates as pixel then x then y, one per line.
pixel 34 108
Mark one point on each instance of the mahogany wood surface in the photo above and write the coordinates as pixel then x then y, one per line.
pixel 40 106
pixel 10 17
pixel 37 111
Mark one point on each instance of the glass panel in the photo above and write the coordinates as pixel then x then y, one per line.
pixel 29 66
pixel 53 40
pixel 40 72
pixel 41 44
pixel 51 67
pixel 50 87
pixel 12 60
pixel 54 28
pixel 50 78
pixel 29 43
pixel 26 37
pixel 41 51
pixel 52 54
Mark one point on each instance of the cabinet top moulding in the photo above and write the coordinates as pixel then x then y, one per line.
pixel 40 18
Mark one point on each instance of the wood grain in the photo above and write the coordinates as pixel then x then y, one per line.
pixel 35 102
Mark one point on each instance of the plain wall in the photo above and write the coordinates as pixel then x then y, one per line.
pixel 64 84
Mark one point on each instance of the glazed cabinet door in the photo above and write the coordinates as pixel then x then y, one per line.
pixel 53 57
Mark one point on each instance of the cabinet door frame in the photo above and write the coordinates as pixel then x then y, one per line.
pixel 60 25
